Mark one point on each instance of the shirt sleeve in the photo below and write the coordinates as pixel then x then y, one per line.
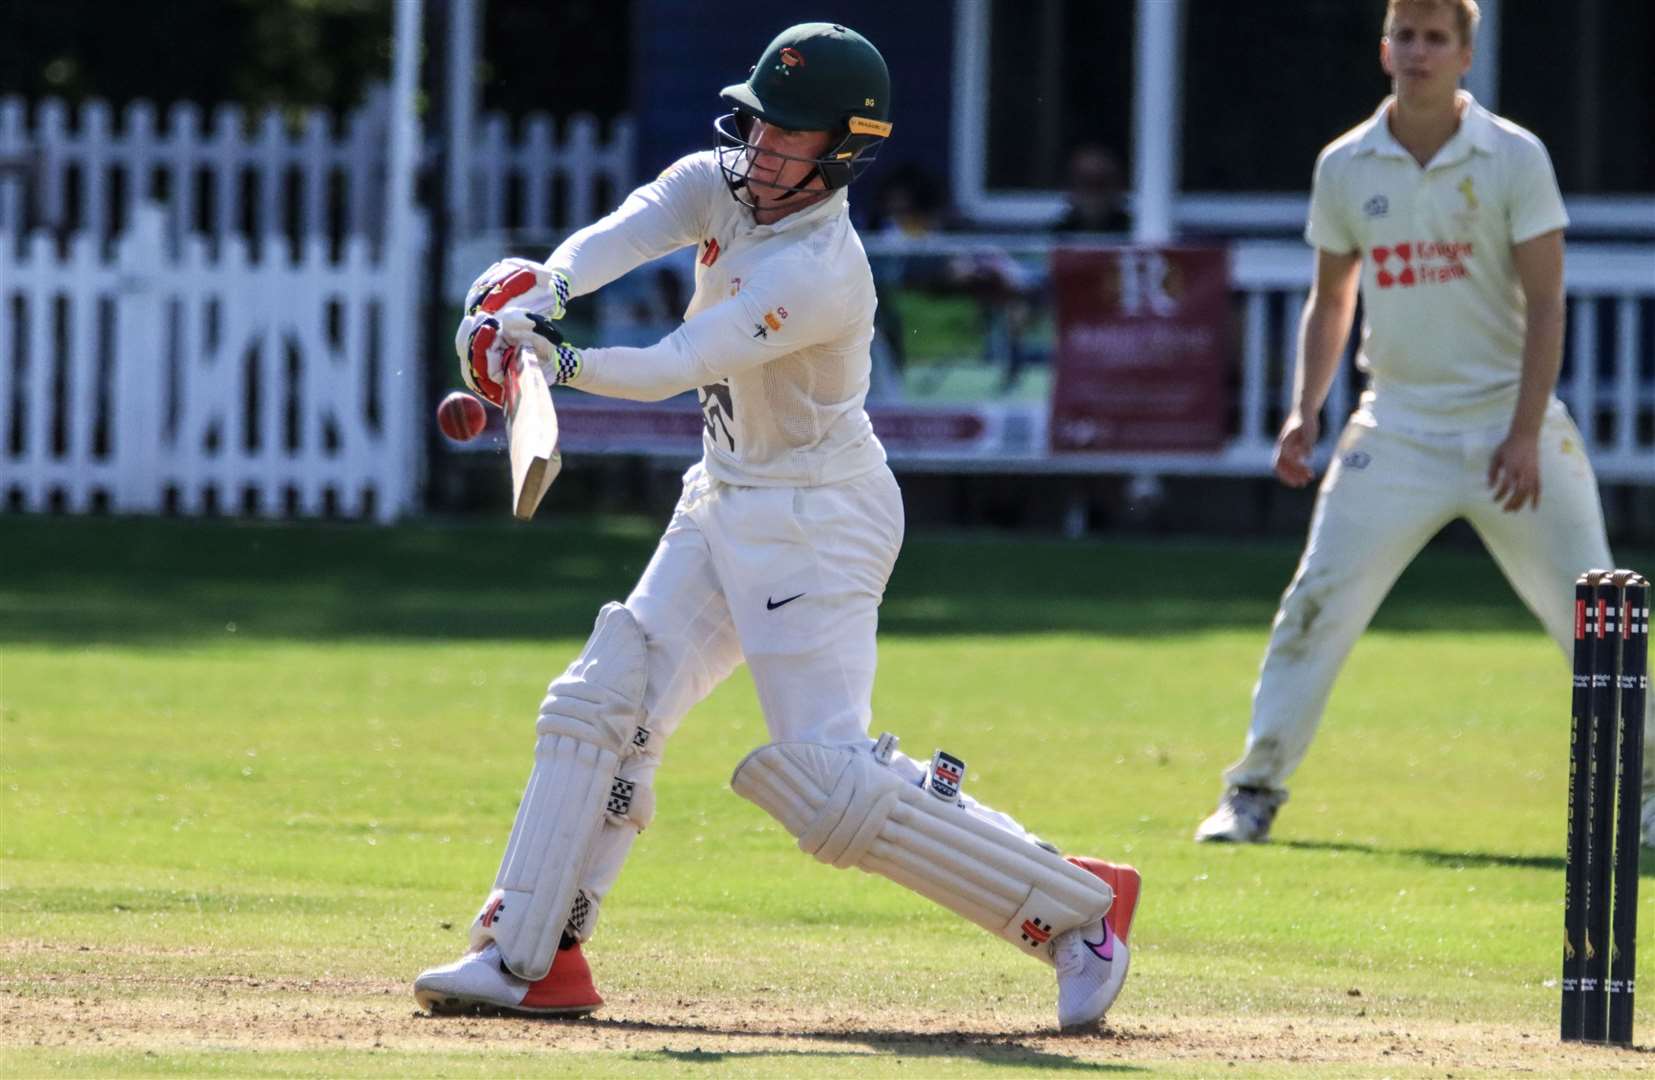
pixel 1536 204
pixel 1328 226
pixel 657 219
pixel 784 308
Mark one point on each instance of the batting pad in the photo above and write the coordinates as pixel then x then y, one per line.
pixel 589 722
pixel 847 809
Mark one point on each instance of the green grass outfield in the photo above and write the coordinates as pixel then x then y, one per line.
pixel 254 777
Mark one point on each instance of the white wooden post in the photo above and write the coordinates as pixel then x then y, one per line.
pixel 1155 119
pixel 139 359
pixel 95 142
pixel 400 359
pixel 462 113
pixel 15 155
pixel 1483 80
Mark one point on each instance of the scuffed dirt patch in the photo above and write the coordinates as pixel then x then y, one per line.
pixel 168 1014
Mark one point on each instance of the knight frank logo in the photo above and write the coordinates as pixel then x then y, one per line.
pixel 1404 276
pixel 1036 932
pixel 1423 262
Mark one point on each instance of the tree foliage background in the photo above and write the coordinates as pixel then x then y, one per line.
pixel 556 56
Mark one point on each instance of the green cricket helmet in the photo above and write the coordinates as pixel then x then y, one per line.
pixel 812 77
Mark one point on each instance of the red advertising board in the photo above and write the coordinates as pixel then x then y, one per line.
pixel 1140 356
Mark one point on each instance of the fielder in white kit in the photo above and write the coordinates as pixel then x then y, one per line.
pixel 777 554
pixel 1451 220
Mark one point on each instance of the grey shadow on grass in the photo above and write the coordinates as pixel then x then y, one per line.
pixel 1454 860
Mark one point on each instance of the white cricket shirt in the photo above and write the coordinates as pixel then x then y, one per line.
pixel 1444 313
pixel 775 338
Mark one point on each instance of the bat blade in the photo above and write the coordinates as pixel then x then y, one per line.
pixel 531 435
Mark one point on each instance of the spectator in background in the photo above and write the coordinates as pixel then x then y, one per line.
pixel 1097 193
pixel 910 203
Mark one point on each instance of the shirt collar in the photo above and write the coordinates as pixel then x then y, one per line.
pixel 1476 132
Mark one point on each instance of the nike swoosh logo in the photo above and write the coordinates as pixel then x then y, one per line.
pixel 772 605
pixel 1105 949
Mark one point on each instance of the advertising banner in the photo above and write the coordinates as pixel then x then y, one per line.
pixel 1140 351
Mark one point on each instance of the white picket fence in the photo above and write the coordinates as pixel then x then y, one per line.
pixel 287 174
pixel 186 379
pixel 197 318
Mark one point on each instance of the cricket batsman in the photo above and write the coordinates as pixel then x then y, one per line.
pixel 777 555
pixel 1449 219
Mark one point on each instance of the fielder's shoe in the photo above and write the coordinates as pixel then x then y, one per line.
pixel 1243 816
pixel 479 983
pixel 1092 960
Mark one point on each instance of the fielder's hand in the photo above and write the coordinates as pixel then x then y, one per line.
pixel 1514 472
pixel 1293 449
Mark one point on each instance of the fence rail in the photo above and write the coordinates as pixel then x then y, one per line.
pixel 1607 380
pixel 281 173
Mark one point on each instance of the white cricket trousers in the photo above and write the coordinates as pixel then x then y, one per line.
pixel 787 579
pixel 1385 495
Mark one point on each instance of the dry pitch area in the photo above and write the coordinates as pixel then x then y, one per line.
pixel 102 1011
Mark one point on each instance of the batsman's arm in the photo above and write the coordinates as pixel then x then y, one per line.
pixel 784 310
pixel 662 216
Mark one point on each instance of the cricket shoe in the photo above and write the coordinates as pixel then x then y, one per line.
pixel 1092 960
pixel 480 983
pixel 1244 816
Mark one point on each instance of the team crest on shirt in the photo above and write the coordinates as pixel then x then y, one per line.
pixel 1467 213
pixel 1469 190
pixel 1376 207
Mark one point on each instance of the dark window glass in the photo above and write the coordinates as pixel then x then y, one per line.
pixel 1267 85
pixel 1060 74
pixel 1579 76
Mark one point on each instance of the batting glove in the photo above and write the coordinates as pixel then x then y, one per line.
pixel 493 345
pixel 523 284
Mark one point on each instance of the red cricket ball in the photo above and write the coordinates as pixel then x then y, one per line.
pixel 461 416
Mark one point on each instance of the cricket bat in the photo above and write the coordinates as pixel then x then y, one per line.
pixel 531 434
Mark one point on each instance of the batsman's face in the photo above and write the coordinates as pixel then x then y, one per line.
pixel 1423 53
pixel 780 160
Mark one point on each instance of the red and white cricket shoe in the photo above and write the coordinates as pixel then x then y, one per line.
pixel 1092 961
pixel 479 983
